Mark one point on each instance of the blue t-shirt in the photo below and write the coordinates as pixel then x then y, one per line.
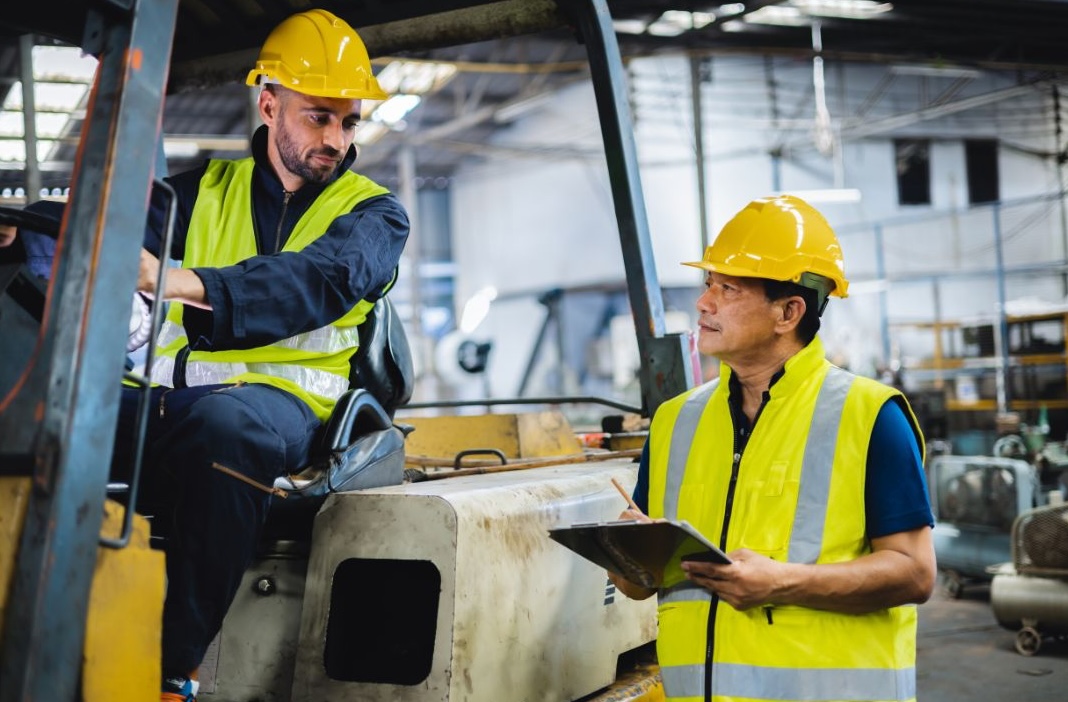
pixel 895 490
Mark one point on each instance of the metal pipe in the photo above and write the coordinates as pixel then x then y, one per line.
pixel 661 377
pixel 1004 391
pixel 880 272
pixel 697 76
pixel 29 118
pixel 409 195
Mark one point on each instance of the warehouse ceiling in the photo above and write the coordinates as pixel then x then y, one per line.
pixel 509 55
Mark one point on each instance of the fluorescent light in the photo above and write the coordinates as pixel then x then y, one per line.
pixel 415 77
pixel 778 15
pixel 185 148
pixel 629 26
pixel 393 110
pixel 660 28
pixel 370 132
pixel 731 8
pixel 799 13
pixel 845 9
pixel 672 23
pixel 827 196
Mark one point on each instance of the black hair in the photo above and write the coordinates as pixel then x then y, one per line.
pixel 810 322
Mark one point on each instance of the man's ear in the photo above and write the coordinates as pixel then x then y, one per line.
pixel 793 310
pixel 268 104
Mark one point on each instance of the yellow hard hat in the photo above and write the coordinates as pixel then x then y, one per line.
pixel 317 53
pixel 779 238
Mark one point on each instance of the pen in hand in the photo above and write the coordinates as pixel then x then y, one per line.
pixel 626 496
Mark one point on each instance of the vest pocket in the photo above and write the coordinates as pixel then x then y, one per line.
pixel 768 516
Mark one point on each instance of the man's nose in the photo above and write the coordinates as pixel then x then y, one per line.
pixel 706 302
pixel 334 136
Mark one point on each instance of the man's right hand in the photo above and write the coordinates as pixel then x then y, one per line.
pixel 182 284
pixel 631 590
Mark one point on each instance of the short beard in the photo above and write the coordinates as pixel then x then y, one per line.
pixel 294 162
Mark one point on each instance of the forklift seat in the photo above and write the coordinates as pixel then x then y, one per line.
pixel 359 446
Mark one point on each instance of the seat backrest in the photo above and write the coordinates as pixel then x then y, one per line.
pixel 383 363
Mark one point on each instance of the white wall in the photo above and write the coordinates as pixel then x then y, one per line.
pixel 546 219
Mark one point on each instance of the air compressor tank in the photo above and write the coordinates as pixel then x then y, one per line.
pixel 1031 593
pixel 1036 607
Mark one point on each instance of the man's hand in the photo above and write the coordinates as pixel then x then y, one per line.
pixel 182 285
pixel 750 580
pixel 631 590
pixel 899 570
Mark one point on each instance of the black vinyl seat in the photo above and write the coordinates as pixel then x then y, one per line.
pixel 359 446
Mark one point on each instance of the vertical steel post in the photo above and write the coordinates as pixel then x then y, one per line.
pixel 1004 390
pixel 665 368
pixel 696 80
pixel 67 429
pixel 884 313
pixel 29 118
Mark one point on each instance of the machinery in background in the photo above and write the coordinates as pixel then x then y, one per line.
pixel 977 499
pixel 1030 594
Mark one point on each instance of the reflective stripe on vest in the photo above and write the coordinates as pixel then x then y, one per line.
pixel 681 439
pixel 686 591
pixel 806 537
pixel 811 684
pixel 319 382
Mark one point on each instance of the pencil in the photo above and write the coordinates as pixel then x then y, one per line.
pixel 626 496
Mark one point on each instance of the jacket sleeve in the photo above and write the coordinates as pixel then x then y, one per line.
pixel 267 298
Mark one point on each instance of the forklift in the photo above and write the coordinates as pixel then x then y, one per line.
pixel 445 588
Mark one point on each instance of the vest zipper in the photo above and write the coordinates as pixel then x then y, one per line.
pixel 736 463
pixel 281 221
pixel 710 633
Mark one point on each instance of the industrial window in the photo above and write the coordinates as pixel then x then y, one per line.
pixel 912 159
pixel 981 160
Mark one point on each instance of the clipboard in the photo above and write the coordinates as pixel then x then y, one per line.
pixel 638 551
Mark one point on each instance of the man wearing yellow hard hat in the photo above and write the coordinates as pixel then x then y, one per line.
pixel 283 255
pixel 809 477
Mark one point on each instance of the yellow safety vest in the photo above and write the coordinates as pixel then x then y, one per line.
pixel 799 497
pixel 314 365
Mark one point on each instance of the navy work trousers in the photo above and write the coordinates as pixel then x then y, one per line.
pixel 212 520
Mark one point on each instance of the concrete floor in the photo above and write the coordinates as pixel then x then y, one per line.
pixel 963 655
